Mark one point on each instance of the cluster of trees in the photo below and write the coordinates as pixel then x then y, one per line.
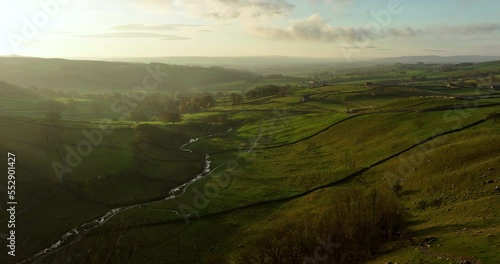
pixel 453 67
pixel 236 99
pixel 167 116
pixel 143 107
pixel 196 103
pixel 267 90
pixel 350 231
pixel 154 102
pixel 170 110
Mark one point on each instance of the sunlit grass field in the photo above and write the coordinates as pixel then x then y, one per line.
pixel 281 158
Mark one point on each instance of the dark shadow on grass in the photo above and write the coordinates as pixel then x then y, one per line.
pixel 409 192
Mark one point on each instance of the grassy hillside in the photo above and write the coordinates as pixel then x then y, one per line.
pixel 59 74
pixel 110 176
pixel 379 173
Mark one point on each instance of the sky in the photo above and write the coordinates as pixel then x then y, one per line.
pixel 297 28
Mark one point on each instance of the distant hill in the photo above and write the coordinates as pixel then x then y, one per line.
pixel 258 64
pixel 231 62
pixel 285 62
pixel 8 90
pixel 60 74
pixel 291 65
pixel 436 59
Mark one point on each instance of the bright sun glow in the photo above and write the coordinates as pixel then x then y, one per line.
pixel 359 28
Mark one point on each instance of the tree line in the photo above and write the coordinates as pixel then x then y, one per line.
pixel 351 230
pixel 267 90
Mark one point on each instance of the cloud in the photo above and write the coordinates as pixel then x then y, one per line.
pixel 359 47
pixel 227 9
pixel 230 9
pixel 315 28
pixel 470 29
pixel 402 32
pixel 133 35
pixel 159 27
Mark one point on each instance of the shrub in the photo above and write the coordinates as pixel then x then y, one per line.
pixel 354 226
pixel 396 187
pixel 422 205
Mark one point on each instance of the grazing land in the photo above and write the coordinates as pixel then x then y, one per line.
pixel 379 164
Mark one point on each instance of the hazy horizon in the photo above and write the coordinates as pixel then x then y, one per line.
pixel 354 29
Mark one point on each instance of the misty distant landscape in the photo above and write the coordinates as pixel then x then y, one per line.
pixel 250 132
pixel 280 64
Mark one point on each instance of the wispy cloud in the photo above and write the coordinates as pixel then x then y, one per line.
pixel 159 27
pixel 250 8
pixel 470 29
pixel 133 35
pixel 227 9
pixel 359 47
pixel 316 28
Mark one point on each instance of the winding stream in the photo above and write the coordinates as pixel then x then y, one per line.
pixel 76 234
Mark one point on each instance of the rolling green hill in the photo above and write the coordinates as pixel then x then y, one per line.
pixel 59 74
pixel 13 91
pixel 380 173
